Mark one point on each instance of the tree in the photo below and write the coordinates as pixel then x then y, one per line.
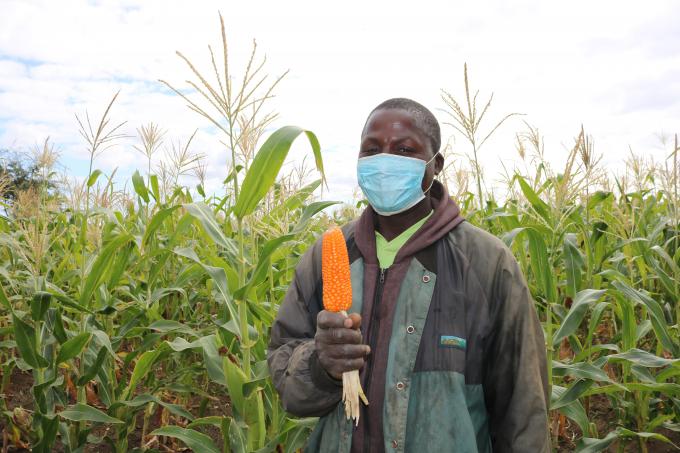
pixel 16 174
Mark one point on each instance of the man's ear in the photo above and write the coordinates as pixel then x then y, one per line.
pixel 438 163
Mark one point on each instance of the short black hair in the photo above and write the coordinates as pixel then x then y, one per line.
pixel 425 120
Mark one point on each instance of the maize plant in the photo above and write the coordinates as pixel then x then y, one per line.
pixel 139 321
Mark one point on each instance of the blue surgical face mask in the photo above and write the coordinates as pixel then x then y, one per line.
pixel 391 183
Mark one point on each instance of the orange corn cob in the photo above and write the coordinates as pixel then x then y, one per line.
pixel 337 297
pixel 335 273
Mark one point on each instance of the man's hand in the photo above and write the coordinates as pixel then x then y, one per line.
pixel 338 343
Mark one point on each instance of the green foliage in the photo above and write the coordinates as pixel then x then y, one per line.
pixel 154 312
pixel 19 174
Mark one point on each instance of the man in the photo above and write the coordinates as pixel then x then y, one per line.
pixel 452 355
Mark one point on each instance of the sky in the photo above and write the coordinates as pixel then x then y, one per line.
pixel 613 66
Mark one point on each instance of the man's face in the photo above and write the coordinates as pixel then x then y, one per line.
pixel 395 132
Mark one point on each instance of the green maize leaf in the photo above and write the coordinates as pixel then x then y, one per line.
pixel 39 305
pixel 8 344
pixel 4 301
pixel 235 379
pixel 267 164
pixel 666 280
pixel 98 270
pixel 261 312
pixel 155 191
pixel 582 370
pixel 72 347
pixel 83 412
pixel 237 437
pixel 92 370
pixel 206 217
pixel 656 313
pixel 541 264
pixel 66 301
pixel 539 205
pixel 658 421
pixel 263 264
pixel 642 330
pixel 232 174
pixel 218 275
pixel 588 445
pixel 596 316
pixel 665 388
pixel 142 367
pixel 538 254
pixel 572 393
pixel 573 265
pixel 509 237
pixel 599 228
pixel 295 201
pixel 597 198
pixel 233 327
pixel 310 211
pixel 156 222
pixel 574 410
pixel 140 187
pixel 611 274
pixel 297 438
pixel 252 386
pixel 25 338
pixel 103 341
pixel 577 312
pixel 179 344
pixel 212 359
pixel 146 398
pixel 198 442
pixel 120 264
pixel 668 373
pixel 167 325
pixel 643 358
pixel 625 310
pixel 49 426
pixel 212 420
pixel 642 374
pixel 667 259
pixel 58 327
pixel 93 177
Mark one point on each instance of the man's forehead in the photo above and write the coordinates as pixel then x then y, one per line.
pixel 391 119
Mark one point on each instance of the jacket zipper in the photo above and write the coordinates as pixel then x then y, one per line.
pixel 375 328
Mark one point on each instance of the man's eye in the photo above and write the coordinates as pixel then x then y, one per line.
pixel 405 149
pixel 370 150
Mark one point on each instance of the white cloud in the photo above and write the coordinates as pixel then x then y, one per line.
pixel 609 65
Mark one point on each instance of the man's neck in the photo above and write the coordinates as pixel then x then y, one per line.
pixel 392 226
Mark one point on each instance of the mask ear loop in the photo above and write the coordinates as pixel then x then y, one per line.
pixel 426 164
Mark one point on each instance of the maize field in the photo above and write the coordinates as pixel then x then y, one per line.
pixel 137 319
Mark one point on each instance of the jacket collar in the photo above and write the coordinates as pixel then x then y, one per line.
pixel 446 217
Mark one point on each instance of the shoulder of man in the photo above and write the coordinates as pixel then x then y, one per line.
pixel 478 243
pixel 486 255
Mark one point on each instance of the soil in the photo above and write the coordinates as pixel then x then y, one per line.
pixel 604 416
pixel 19 395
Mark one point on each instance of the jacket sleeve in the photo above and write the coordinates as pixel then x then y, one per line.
pixel 306 390
pixel 515 378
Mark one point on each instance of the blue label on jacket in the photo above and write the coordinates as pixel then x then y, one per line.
pixel 451 341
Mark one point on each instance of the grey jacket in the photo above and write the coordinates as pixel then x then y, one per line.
pixel 458 357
